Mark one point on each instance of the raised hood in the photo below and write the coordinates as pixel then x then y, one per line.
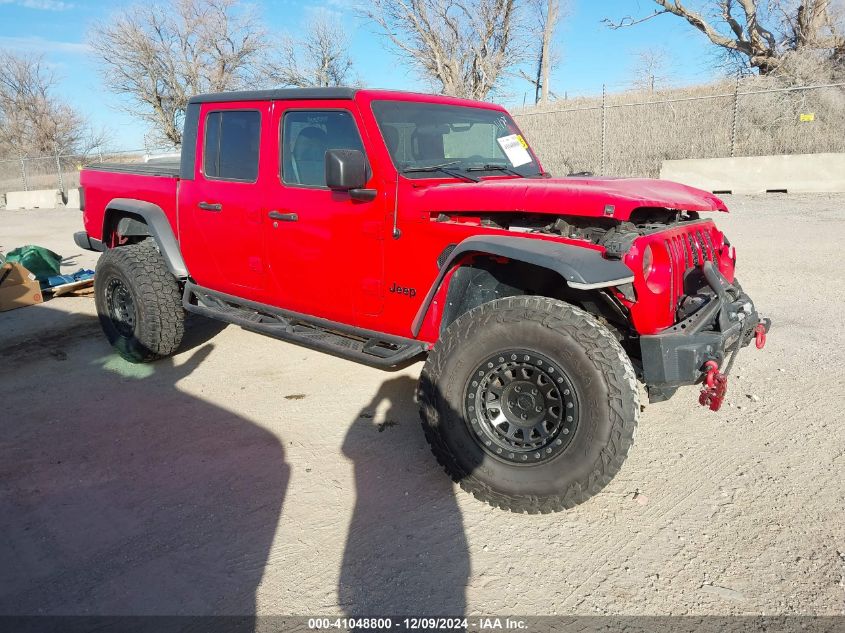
pixel 567 196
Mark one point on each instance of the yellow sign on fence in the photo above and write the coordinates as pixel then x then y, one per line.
pixel 808 118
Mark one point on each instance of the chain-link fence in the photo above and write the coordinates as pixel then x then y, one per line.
pixel 632 133
pixel 621 134
pixel 61 172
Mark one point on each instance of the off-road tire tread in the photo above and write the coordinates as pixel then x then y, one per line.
pixel 161 331
pixel 603 350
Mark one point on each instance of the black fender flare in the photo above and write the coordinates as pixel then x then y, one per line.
pixel 158 227
pixel 582 268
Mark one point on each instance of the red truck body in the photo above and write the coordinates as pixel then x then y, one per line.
pixel 296 266
pixel 385 226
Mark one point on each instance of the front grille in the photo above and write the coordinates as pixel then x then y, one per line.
pixel 687 250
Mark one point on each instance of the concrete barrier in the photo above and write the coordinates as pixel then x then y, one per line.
pixel 38 199
pixel 72 198
pixel 798 173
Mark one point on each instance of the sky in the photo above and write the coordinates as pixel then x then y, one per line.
pixel 591 55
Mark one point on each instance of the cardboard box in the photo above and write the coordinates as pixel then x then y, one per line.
pixel 18 287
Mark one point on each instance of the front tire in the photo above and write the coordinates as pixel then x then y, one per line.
pixel 529 403
pixel 139 302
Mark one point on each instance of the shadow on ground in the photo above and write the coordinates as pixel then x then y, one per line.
pixel 406 552
pixel 122 494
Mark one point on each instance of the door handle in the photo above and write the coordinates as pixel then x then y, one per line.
pixel 210 206
pixel 284 217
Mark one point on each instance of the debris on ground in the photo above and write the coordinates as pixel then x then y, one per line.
pixel 723 592
pixel 639 497
pixel 18 287
pixel 63 284
pixel 40 261
pixel 43 267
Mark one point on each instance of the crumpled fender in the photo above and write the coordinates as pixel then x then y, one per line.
pixel 582 268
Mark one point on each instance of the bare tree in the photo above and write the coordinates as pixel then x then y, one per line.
pixel 320 57
pixel 33 121
pixel 159 55
pixel 542 25
pixel 759 34
pixel 650 68
pixel 463 47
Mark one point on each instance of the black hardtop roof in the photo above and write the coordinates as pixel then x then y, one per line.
pixel 276 94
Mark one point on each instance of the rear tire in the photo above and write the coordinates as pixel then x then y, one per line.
pixel 139 302
pixel 557 404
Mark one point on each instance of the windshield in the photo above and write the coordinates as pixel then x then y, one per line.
pixel 422 137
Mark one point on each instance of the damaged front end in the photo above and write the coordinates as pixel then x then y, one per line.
pixel 702 347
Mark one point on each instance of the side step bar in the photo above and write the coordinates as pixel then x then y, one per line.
pixel 364 346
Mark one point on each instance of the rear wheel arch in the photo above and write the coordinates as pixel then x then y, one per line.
pixel 124 224
pixel 137 219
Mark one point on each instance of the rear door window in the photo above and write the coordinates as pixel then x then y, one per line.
pixel 307 135
pixel 230 150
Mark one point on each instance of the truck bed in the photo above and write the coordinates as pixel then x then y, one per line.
pixel 155 183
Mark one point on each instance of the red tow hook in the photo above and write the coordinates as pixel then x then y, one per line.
pixel 760 336
pixel 716 387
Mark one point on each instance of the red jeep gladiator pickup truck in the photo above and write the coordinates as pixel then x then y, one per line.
pixel 384 227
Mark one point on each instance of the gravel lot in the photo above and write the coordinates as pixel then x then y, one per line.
pixel 247 475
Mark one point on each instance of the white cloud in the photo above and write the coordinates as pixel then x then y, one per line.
pixel 41 5
pixel 41 45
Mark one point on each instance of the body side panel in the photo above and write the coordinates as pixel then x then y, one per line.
pixel 101 187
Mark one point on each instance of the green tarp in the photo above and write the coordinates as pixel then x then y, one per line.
pixel 40 261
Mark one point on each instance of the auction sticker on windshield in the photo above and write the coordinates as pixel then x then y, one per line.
pixel 515 149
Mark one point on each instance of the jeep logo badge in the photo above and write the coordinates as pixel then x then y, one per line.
pixel 402 290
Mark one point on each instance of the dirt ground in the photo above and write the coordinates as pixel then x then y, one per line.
pixel 247 475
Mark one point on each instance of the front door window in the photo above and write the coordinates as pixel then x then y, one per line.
pixel 306 137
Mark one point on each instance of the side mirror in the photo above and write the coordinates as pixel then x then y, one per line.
pixel 346 169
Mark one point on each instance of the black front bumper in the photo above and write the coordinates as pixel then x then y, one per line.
pixel 83 240
pixel 677 356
